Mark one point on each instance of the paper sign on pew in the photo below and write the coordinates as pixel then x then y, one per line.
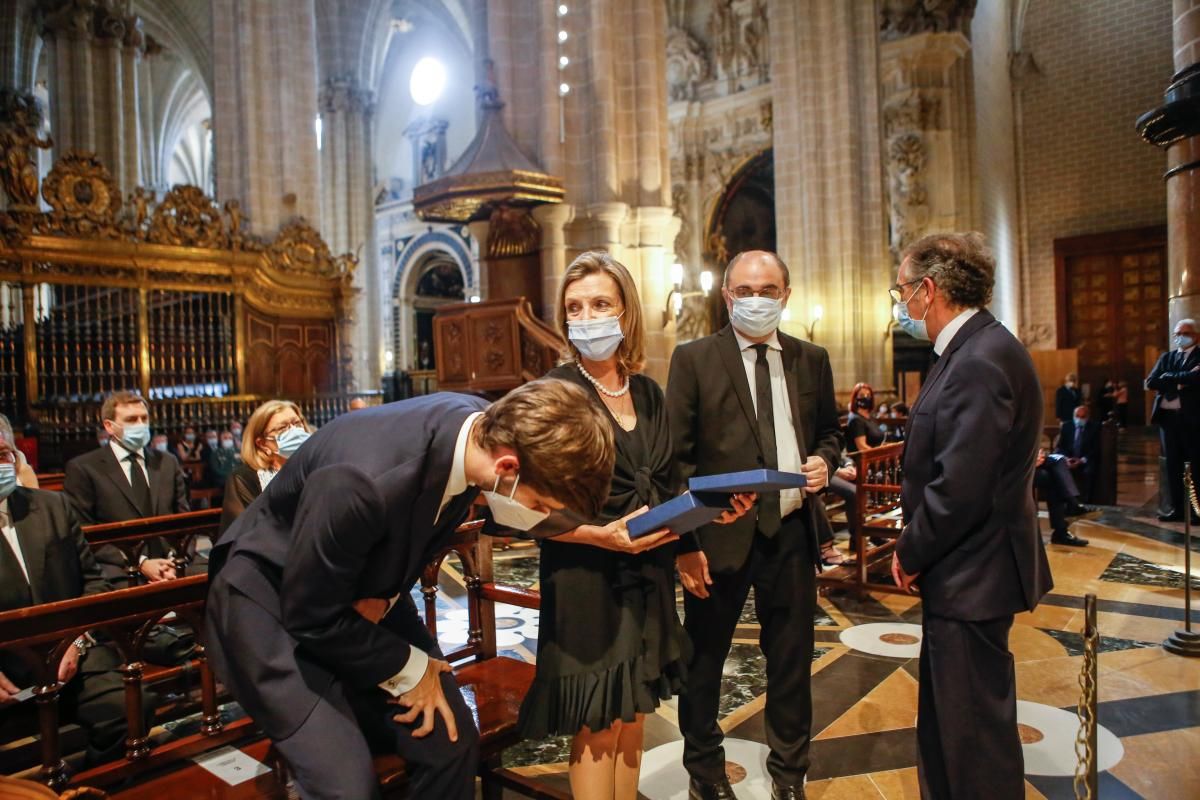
pixel 232 765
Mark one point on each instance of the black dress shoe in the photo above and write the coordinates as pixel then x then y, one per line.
pixel 787 792
pixel 1077 510
pixel 1177 518
pixel 1068 538
pixel 721 790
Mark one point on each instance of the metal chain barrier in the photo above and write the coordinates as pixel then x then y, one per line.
pixel 1086 775
pixel 1186 642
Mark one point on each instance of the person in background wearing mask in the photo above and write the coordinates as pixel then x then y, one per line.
pixel 1176 378
pixel 127 480
pixel 223 460
pixel 1121 403
pixel 26 476
pixel 188 449
pixel 311 624
pixel 102 437
pixel 1052 478
pixel 1066 399
pixel 862 433
pixel 236 429
pixel 1079 442
pixel 750 397
pixel 274 433
pixel 971 539
pixel 611 647
pixel 159 443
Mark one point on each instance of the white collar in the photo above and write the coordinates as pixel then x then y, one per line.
pixel 121 451
pixel 458 467
pixel 952 327
pixel 746 344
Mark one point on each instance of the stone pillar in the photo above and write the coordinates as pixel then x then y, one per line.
pixel 348 213
pixel 656 229
pixel 606 221
pixel 928 120
pixel 1183 186
pixel 94 57
pixel 265 107
pixel 479 239
pixel 552 217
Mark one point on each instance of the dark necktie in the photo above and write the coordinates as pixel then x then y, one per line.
pixel 768 502
pixel 141 489
pixel 1078 440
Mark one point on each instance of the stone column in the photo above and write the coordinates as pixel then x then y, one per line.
pixel 656 229
pixel 265 108
pixel 479 239
pixel 1183 167
pixel 348 213
pixel 552 217
pixel 94 57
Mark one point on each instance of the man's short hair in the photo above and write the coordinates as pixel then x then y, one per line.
pixel 121 398
pixel 733 262
pixel 960 264
pixel 1186 321
pixel 563 441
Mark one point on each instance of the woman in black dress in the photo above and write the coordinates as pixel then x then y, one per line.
pixel 275 430
pixel 610 646
pixel 862 433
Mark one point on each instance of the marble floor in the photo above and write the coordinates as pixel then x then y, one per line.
pixel 865 668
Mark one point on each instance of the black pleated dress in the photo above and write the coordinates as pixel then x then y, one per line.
pixel 610 644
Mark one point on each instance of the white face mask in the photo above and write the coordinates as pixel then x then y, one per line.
pixel 508 513
pixel 596 339
pixel 756 316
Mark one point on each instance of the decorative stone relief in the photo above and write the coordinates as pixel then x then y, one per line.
pixel 737 31
pixel 687 65
pixel 343 93
pixel 900 18
pixel 20 121
pixel 909 207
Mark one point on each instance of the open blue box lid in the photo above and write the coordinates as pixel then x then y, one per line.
pixel 685 513
pixel 751 480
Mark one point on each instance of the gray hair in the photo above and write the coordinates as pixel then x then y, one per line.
pixel 958 263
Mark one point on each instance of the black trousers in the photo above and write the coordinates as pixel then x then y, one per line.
pixel 1180 438
pixel 967 712
pixel 1057 488
pixel 848 491
pixel 785 600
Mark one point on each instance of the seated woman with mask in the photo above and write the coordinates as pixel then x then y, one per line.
pixel 275 431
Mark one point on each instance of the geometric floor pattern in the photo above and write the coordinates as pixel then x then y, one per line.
pixel 865 696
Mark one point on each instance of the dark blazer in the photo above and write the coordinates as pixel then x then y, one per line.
pixel 1173 377
pixel 971 525
pixel 1066 401
pixel 715 430
pixel 1089 446
pixel 242 488
pixel 60 563
pixel 96 484
pixel 350 516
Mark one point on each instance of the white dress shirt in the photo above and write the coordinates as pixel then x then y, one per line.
pixel 952 327
pixel 786 444
pixel 418 660
pixel 121 453
pixel 1174 404
pixel 10 533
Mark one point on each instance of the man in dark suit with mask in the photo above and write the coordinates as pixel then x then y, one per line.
pixel 745 398
pixel 971 540
pixel 310 623
pixel 1079 441
pixel 1176 378
pixel 1067 398
pixel 127 480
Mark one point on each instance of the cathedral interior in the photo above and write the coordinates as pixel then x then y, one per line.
pixel 215 203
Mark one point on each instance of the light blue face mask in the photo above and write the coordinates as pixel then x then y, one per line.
pixel 290 440
pixel 596 339
pixel 913 327
pixel 8 479
pixel 1183 341
pixel 756 316
pixel 134 438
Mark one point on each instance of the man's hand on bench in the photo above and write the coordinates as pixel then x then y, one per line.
pixel 158 569
pixel 8 690
pixel 426 699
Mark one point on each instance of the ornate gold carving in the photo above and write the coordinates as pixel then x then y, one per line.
pixel 189 218
pixel 20 119
pixel 300 249
pixel 83 197
pixel 512 232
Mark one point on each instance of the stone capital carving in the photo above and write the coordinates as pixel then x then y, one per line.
pixel 737 37
pixel 343 93
pixel 20 121
pixel 901 18
pixel 687 65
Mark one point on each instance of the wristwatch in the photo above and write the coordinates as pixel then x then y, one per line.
pixel 81 645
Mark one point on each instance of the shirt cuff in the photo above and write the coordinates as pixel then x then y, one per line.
pixel 408 677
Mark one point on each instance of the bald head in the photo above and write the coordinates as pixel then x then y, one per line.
pixel 757 262
pixel 357 404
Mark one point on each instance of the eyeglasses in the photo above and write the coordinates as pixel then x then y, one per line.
pixel 272 435
pixel 744 292
pixel 897 291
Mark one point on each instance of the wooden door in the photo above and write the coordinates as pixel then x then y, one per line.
pixel 1112 305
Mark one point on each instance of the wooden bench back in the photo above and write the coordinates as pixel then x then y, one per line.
pixel 51 481
pixel 131 537
pixel 880 473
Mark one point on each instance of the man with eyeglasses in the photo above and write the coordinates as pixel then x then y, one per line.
pixel 44 558
pixel 749 397
pixel 971 540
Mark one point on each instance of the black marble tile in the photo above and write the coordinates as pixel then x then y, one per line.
pixel 516 570
pixel 1117 607
pixel 555 750
pixel 868 752
pixel 1126 522
pixel 1125 568
pixel 1058 788
pixel 744 678
pixel 1154 714
pixel 860 608
pixel 839 686
pixel 1073 642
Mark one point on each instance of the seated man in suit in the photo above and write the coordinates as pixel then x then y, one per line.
pixel 126 480
pixel 1079 441
pixel 44 559
pixel 310 621
pixel 1053 481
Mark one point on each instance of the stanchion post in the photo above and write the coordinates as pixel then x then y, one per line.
pixel 1186 642
pixel 1087 776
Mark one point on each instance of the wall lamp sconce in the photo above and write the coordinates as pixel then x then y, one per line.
pixel 676 296
pixel 818 312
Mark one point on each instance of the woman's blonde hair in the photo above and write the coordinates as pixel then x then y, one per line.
pixel 631 354
pixel 256 428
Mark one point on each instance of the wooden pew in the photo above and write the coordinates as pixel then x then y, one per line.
pixel 878 514
pixel 51 481
pixel 179 530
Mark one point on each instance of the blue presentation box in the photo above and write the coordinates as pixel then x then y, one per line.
pixel 752 480
pixel 685 513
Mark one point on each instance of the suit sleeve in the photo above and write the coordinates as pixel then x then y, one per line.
pixel 1156 379
pixel 89 570
pixel 683 407
pixel 339 519
pixel 827 433
pixel 973 420
pixel 181 502
pixel 81 491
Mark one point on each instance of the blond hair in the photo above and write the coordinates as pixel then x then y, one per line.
pixel 631 353
pixel 256 428
pixel 562 440
pixel 120 398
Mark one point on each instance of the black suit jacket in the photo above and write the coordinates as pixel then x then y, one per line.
pixel 96 484
pixel 57 557
pixel 971 525
pixel 350 516
pixel 1089 446
pixel 715 430
pixel 1173 378
pixel 1066 401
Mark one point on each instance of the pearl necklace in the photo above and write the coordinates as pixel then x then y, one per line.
pixel 601 388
